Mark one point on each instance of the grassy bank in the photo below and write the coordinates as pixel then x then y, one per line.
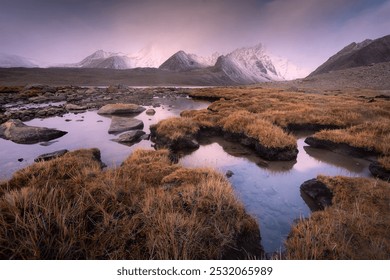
pixel 356 226
pixel 285 108
pixel 148 208
pixel 359 118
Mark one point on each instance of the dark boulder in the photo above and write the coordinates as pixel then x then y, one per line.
pixel 379 171
pixel 318 193
pixel 50 156
pixel 121 124
pixel 16 131
pixel 130 137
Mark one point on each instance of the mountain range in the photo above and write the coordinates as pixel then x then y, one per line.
pixel 241 66
pixel 246 65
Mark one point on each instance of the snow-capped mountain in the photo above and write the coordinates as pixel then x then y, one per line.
pixel 150 56
pixel 256 64
pixel 103 59
pixel 182 61
pixel 9 60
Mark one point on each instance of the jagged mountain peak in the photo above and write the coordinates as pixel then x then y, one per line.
pixel 256 64
pixel 181 61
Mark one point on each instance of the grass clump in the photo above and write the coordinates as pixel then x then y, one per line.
pixel 356 226
pixel 237 121
pixel 176 128
pixel 265 132
pixel 385 162
pixel 148 208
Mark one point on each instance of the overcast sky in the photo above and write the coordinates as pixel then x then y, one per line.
pixel 305 31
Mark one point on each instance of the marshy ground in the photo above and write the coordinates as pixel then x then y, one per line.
pixel 151 208
pixel 355 226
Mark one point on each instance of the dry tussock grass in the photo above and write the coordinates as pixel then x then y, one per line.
pixel 252 125
pixel 364 120
pixel 146 209
pixel 176 128
pixel 356 226
pixel 233 116
pixel 385 162
pixel 288 108
pixel 370 135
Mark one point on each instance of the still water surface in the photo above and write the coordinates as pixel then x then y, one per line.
pixel 269 190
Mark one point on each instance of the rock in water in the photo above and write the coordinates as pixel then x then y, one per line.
pixel 150 112
pixel 120 108
pixel 229 173
pixel 130 137
pixel 16 131
pixel 318 192
pixel 49 156
pixel 121 124
pixel 379 171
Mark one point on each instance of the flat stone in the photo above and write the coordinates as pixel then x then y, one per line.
pixel 130 137
pixel 120 108
pixel 121 124
pixel 16 131
pixel 49 156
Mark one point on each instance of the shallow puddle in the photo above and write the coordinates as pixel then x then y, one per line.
pixel 269 190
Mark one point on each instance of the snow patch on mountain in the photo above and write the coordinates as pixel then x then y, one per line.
pixel 205 60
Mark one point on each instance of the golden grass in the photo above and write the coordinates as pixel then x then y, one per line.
pixel 287 108
pixel 356 226
pixel 370 135
pixel 385 162
pixel 265 132
pixel 176 128
pixel 233 121
pixel 364 120
pixel 148 208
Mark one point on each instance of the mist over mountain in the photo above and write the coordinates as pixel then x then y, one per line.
pixel 364 53
pixel 8 61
